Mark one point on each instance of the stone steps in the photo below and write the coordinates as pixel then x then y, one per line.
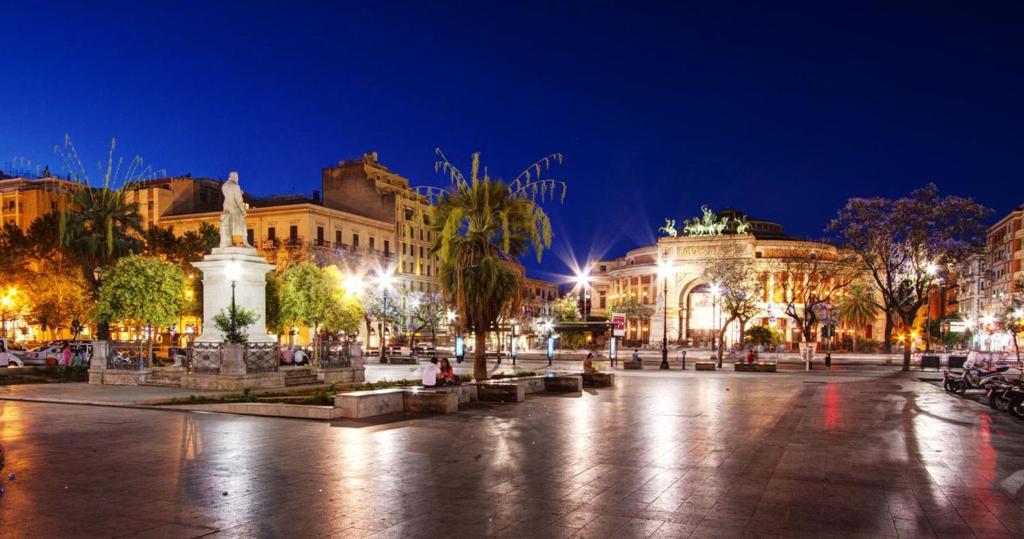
pixel 300 377
pixel 163 379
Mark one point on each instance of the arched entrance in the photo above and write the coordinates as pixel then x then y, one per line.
pixel 697 314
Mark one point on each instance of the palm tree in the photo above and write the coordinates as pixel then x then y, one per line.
pixel 482 227
pixel 858 307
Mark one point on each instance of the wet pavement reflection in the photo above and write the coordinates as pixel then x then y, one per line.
pixel 657 456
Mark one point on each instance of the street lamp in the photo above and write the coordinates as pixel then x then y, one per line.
pixel 583 281
pixel 664 271
pixel 385 280
pixel 233 272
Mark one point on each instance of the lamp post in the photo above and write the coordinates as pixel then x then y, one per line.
pixel 385 278
pixel 715 291
pixel 102 326
pixel 512 343
pixel 583 281
pixel 664 270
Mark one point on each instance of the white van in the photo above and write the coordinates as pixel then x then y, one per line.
pixel 7 356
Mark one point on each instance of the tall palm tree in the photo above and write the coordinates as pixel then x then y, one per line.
pixel 858 307
pixel 482 227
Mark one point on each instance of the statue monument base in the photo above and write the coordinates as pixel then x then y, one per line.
pixel 247 271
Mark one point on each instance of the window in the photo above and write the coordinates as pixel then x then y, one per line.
pixel 426 219
pixel 387 248
pixel 355 240
pixel 408 214
pixel 421 234
pixel 421 251
pixel 428 236
pixel 337 237
pixel 149 206
pixel 250 236
pixel 271 233
pixel 403 249
pixel 319 235
pixel 53 205
pixel 293 233
pixel 372 241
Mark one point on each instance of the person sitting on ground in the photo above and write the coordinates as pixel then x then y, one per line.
pixel 430 373
pixel 588 364
pixel 636 356
pixel 447 372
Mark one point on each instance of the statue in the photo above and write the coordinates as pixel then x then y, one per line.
pixel 708 225
pixel 232 219
pixel 669 229
pixel 742 225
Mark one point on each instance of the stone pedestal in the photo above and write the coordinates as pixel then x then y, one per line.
pixel 98 362
pixel 232 359
pixel 248 270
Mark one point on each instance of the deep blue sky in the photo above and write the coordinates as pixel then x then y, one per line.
pixel 783 112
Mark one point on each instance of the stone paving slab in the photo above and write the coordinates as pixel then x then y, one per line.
pixel 102 395
pixel 682 456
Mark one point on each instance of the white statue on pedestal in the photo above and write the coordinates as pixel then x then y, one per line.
pixel 232 220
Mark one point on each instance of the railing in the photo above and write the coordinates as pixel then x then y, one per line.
pixel 127 355
pixel 335 354
pixel 261 357
pixel 204 358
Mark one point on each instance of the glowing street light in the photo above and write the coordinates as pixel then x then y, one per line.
pixel 384 280
pixel 665 270
pixel 583 281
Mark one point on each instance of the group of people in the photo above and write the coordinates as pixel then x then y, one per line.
pixel 439 374
pixel 74 356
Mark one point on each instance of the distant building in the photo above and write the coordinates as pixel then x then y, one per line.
pixel 23 200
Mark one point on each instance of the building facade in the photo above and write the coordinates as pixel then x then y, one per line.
pixel 687 308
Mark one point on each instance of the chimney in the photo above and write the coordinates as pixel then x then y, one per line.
pixel 316 197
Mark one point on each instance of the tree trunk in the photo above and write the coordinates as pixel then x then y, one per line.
pixel 906 353
pixel 480 355
pixel 887 343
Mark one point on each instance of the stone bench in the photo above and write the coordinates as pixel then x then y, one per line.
pixel 372 403
pixel 563 383
pixel 431 401
pixel 598 379
pixel 754 367
pixel 633 365
pixel 500 392
pixel 705 365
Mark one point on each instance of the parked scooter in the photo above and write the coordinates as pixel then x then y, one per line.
pixel 972 378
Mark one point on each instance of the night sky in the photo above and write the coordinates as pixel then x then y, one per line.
pixel 781 112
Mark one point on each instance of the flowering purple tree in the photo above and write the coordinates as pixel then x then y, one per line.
pixel 903 243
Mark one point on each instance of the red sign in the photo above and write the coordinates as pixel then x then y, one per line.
pixel 618 324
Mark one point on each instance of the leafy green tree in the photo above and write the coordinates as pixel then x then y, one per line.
pixel 142 291
pixel 566 309
pixel 56 299
pixel 160 241
pixel 858 307
pixel 375 309
pixel 233 321
pixel 762 335
pixel 428 312
pixel 273 303
pixel 482 226
pixel 315 297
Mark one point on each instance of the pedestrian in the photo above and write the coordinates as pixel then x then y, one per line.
pixel 66 355
pixel 636 356
pixel 299 356
pixel 430 373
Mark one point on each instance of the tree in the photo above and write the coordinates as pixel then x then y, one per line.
pixel 762 335
pixel 566 309
pixel 375 309
pixel 428 312
pixel 482 226
pixel 631 308
pixel 315 297
pixel 900 243
pixel 738 289
pixel 142 291
pixel 160 241
pixel 233 321
pixel 811 281
pixel 57 299
pixel 858 307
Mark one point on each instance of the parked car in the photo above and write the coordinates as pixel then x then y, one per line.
pixel 425 349
pixel 9 353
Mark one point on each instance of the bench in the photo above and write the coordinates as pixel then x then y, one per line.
pixel 705 365
pixel 598 379
pixel 500 392
pixel 431 401
pixel 930 362
pixel 563 383
pixel 956 362
pixel 372 403
pixel 633 365
pixel 754 367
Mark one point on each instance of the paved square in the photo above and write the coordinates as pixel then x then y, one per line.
pixel 710 455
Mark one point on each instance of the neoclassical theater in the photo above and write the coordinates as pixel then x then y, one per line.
pixel 691 308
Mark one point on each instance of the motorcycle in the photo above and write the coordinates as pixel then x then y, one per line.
pixel 972 378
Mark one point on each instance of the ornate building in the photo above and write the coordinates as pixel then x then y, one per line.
pixel 692 308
